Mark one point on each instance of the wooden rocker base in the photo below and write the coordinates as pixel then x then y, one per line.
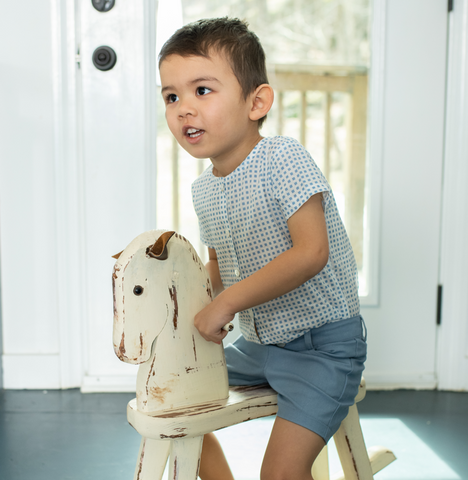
pixel 179 433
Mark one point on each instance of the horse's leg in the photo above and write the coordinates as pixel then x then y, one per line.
pixel 185 458
pixel 152 459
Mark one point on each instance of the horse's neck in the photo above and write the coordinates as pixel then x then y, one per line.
pixel 184 369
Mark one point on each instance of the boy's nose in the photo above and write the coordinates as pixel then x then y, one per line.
pixel 186 108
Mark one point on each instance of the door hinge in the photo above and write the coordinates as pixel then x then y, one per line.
pixel 450 5
pixel 78 57
pixel 439 305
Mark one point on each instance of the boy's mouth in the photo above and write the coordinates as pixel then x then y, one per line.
pixel 194 133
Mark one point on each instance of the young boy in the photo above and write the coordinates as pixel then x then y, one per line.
pixel 278 252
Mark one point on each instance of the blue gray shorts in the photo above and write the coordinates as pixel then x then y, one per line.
pixel 316 376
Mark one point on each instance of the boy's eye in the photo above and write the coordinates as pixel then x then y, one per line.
pixel 171 98
pixel 203 90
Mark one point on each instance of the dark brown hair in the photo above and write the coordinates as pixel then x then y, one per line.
pixel 230 36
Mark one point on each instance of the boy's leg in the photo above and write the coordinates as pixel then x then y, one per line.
pixel 213 465
pixel 291 452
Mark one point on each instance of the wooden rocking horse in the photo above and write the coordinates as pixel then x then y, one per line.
pixel 182 387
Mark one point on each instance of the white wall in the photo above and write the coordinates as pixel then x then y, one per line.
pixel 27 198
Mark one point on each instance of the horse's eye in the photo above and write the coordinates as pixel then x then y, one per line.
pixel 138 290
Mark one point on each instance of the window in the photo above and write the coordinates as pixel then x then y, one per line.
pixel 318 63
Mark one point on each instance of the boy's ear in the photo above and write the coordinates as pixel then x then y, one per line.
pixel 262 100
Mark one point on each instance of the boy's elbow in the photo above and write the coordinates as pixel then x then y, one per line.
pixel 316 260
pixel 322 258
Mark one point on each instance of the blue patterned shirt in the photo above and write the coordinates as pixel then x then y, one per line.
pixel 243 217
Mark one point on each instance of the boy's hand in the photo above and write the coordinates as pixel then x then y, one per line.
pixel 211 320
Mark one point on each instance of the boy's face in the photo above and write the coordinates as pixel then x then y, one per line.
pixel 205 108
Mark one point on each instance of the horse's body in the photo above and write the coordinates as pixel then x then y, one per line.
pixel 160 284
pixel 182 387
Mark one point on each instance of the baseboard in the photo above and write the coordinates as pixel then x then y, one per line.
pixel 412 381
pixel 108 383
pixel 43 372
pixel 31 372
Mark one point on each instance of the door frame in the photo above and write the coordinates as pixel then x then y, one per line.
pixel 452 344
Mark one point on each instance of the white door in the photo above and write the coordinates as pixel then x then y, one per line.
pixel 117 85
pixel 406 137
pixel 452 352
pixel 408 155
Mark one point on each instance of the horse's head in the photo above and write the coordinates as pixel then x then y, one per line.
pixel 142 301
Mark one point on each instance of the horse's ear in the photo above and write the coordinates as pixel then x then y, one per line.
pixel 117 255
pixel 159 249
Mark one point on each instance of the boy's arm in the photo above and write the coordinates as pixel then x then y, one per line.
pixel 213 270
pixel 307 257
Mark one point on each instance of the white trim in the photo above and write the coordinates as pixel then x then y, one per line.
pixel 375 152
pixel 452 345
pixel 68 200
pixel 394 381
pixel 150 9
pixel 31 371
pixel 109 383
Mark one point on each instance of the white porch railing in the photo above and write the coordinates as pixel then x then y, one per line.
pixel 347 176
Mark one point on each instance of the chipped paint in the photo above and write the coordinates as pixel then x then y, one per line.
pixel 192 411
pixel 173 294
pixel 116 269
pixel 208 289
pixel 164 437
pixel 247 388
pixel 114 278
pixel 121 351
pixel 182 290
pixel 115 298
pixel 151 371
pixel 176 471
pixel 142 456
pixel 194 347
pixel 158 393
pixel 352 456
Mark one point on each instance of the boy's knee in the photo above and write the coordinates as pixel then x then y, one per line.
pixel 279 472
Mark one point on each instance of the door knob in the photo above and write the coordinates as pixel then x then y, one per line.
pixel 104 58
pixel 103 5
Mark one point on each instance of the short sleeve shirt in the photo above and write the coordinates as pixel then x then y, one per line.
pixel 243 217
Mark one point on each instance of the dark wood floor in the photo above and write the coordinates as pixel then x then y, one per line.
pixel 65 435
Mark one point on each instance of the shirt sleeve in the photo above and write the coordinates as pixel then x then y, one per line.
pixel 199 203
pixel 295 177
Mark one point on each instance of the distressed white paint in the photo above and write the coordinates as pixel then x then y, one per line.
pixel 155 303
pixel 159 285
pixel 152 458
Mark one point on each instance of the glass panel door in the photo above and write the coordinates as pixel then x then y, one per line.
pixel 318 62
